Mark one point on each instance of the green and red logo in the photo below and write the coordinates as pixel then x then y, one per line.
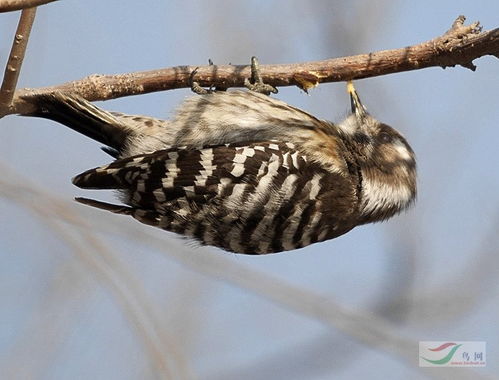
pixel 447 357
pixel 452 354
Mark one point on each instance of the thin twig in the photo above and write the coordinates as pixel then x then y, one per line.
pixel 458 46
pixel 15 60
pixel 15 5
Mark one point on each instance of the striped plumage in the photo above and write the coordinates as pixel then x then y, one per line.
pixel 243 171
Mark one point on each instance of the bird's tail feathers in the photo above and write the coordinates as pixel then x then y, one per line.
pixel 117 209
pixel 80 115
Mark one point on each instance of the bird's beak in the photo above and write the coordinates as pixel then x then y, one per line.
pixel 357 107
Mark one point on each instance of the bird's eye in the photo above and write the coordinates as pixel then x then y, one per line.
pixel 385 137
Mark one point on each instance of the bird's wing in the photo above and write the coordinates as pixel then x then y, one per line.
pixel 196 174
pixel 254 198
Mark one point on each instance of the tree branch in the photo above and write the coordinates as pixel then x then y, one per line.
pixel 15 60
pixel 458 46
pixel 15 5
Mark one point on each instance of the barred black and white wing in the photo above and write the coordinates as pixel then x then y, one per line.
pixel 254 198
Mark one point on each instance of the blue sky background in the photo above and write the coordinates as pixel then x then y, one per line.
pixel 430 273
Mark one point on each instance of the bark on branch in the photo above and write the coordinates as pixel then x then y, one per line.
pixel 15 5
pixel 15 60
pixel 460 45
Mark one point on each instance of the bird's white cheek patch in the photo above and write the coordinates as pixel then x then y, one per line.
pixel 402 151
pixel 377 196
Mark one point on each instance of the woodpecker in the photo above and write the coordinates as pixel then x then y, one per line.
pixel 242 171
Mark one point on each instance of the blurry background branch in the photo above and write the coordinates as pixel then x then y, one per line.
pixel 106 265
pixel 460 45
pixel 15 5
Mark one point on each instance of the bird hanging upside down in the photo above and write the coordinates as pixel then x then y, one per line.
pixel 242 171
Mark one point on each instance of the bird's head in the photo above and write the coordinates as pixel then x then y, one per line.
pixel 386 161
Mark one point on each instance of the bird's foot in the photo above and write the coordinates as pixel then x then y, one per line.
pixel 256 82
